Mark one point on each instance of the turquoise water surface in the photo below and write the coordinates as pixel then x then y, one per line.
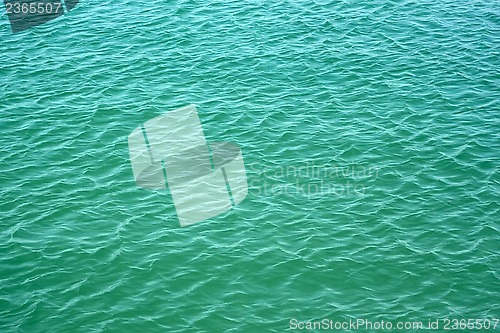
pixel 370 135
